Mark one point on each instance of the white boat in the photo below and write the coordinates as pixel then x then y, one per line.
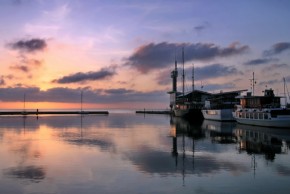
pixel 218 114
pixel 219 107
pixel 262 111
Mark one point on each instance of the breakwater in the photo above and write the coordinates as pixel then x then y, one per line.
pixel 36 112
pixel 148 111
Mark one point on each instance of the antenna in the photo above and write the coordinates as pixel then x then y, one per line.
pixel 253 82
pixel 193 77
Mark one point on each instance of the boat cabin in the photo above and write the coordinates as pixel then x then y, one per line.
pixel 193 99
pixel 269 100
pixel 223 100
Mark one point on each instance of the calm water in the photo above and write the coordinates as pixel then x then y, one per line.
pixel 133 153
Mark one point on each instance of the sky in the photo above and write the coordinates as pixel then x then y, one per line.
pixel 119 54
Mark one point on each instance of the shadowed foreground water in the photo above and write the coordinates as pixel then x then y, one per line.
pixel 131 153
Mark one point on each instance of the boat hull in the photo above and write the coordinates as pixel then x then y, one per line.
pixel 218 114
pixel 277 121
pixel 190 114
pixel 180 112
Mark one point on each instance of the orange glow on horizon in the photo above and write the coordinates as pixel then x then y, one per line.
pixel 76 106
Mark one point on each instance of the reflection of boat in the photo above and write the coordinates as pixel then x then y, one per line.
pixel 220 106
pixel 265 140
pixel 262 110
pixel 183 126
pixel 219 132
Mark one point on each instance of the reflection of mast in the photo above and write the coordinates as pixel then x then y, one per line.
pixel 254 164
pixel 24 124
pixel 193 148
pixel 174 149
pixel 81 101
pixel 174 144
pixel 183 159
pixel 81 126
pixel 181 127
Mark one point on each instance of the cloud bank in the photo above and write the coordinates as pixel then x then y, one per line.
pixel 89 76
pixel 29 46
pixel 275 67
pixel 155 56
pixel 260 61
pixel 2 81
pixel 277 48
pixel 69 95
pixel 214 71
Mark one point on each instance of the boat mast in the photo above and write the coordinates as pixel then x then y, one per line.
pixel 192 98
pixel 193 77
pixel 183 71
pixel 286 101
pixel 174 75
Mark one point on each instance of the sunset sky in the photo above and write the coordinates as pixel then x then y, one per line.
pixel 120 53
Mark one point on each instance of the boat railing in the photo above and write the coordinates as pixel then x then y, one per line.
pixel 253 115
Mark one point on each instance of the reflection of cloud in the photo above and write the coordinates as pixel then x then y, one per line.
pixel 283 170
pixel 153 161
pixel 103 144
pixel 32 173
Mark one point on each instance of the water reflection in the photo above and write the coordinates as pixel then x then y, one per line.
pixel 89 154
pixel 262 140
pixel 220 132
pixel 194 154
pixel 32 173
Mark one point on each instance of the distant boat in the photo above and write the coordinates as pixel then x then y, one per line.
pixel 262 110
pixel 219 107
